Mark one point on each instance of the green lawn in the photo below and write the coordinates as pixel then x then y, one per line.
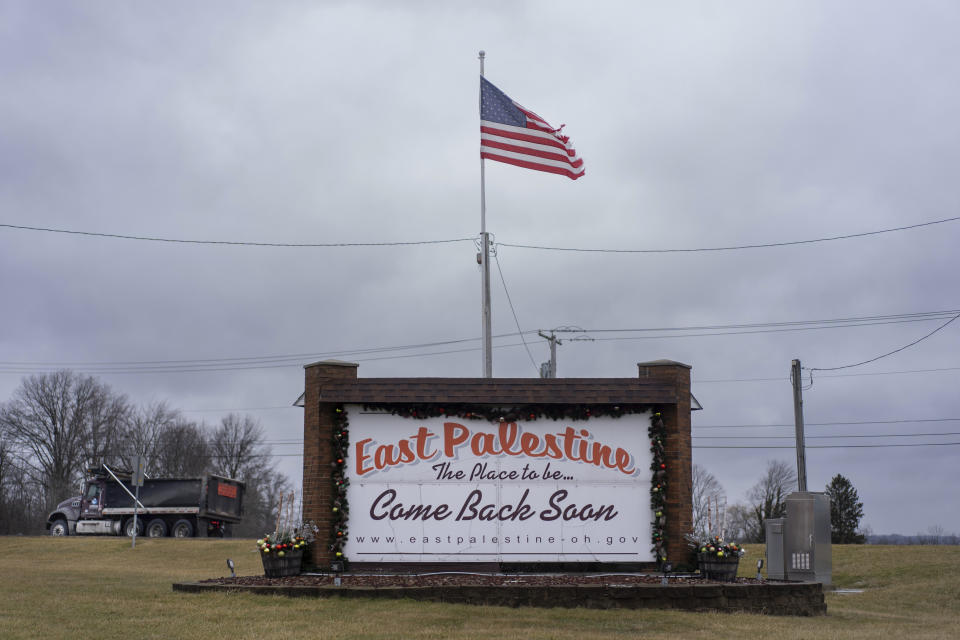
pixel 101 588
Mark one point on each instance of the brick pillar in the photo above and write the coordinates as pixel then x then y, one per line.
pixel 676 418
pixel 317 452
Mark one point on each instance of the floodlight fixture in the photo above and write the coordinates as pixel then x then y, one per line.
pixel 667 568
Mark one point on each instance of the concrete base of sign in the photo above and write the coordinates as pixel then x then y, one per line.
pixel 770 598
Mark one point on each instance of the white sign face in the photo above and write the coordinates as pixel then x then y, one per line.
pixel 448 489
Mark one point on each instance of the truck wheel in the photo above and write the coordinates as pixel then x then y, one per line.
pixel 182 529
pixel 59 527
pixel 156 528
pixel 128 527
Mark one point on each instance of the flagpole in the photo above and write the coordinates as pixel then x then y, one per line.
pixel 485 262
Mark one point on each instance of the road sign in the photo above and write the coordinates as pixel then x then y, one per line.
pixel 139 464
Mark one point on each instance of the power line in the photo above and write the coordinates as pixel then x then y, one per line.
pixel 733 247
pixel 514 312
pixel 438 353
pixel 771 425
pixel 781 323
pixel 202 369
pixel 698 446
pixel 889 353
pixel 752 331
pixel 834 436
pixel 285 406
pixel 826 424
pixel 847 321
pixel 219 364
pixel 828 437
pixel 888 373
pixel 838 375
pixel 296 359
pixel 472 239
pixel 236 242
pixel 833 446
pixel 779 379
pixel 268 358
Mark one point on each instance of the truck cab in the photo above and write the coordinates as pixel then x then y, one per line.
pixel 91 501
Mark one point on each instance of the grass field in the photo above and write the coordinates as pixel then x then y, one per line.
pixel 101 588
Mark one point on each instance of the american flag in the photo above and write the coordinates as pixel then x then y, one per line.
pixel 515 135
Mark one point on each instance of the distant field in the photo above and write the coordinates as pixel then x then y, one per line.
pixel 101 588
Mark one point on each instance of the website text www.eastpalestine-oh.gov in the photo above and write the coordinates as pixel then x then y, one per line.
pixel 474 540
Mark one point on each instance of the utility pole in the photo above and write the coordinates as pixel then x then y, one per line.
pixel 795 378
pixel 549 369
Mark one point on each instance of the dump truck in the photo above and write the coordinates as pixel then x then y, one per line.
pixel 177 507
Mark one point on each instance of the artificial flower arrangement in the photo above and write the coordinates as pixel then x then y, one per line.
pixel 290 534
pixel 287 541
pixel 715 547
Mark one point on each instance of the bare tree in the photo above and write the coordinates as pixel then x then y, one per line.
pixel 182 450
pixel 6 476
pixel 237 446
pixel 238 451
pixel 262 486
pixel 50 420
pixel 741 524
pixel 143 434
pixel 936 534
pixel 108 418
pixel 768 496
pixel 707 495
pixel 21 505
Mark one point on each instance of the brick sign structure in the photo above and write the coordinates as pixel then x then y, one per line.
pixel 495 472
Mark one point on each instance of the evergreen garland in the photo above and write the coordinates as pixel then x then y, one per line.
pixel 527 412
pixel 658 486
pixel 340 443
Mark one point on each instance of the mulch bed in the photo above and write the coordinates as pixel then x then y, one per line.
pixel 465 580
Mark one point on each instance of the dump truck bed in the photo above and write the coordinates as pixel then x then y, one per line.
pixel 209 497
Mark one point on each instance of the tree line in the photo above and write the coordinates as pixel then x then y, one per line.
pixel 57 425
pixel 767 499
pixel 921 538
pixel 743 521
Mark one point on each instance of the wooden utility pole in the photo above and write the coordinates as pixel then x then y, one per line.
pixel 550 371
pixel 795 378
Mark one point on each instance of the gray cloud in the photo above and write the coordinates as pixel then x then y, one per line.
pixel 335 122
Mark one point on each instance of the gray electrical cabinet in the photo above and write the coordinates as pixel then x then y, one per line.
pixel 798 546
pixel 773 527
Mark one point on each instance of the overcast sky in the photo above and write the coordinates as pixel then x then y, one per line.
pixel 701 125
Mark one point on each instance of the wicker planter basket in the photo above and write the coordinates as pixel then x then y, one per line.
pixel 719 569
pixel 277 567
